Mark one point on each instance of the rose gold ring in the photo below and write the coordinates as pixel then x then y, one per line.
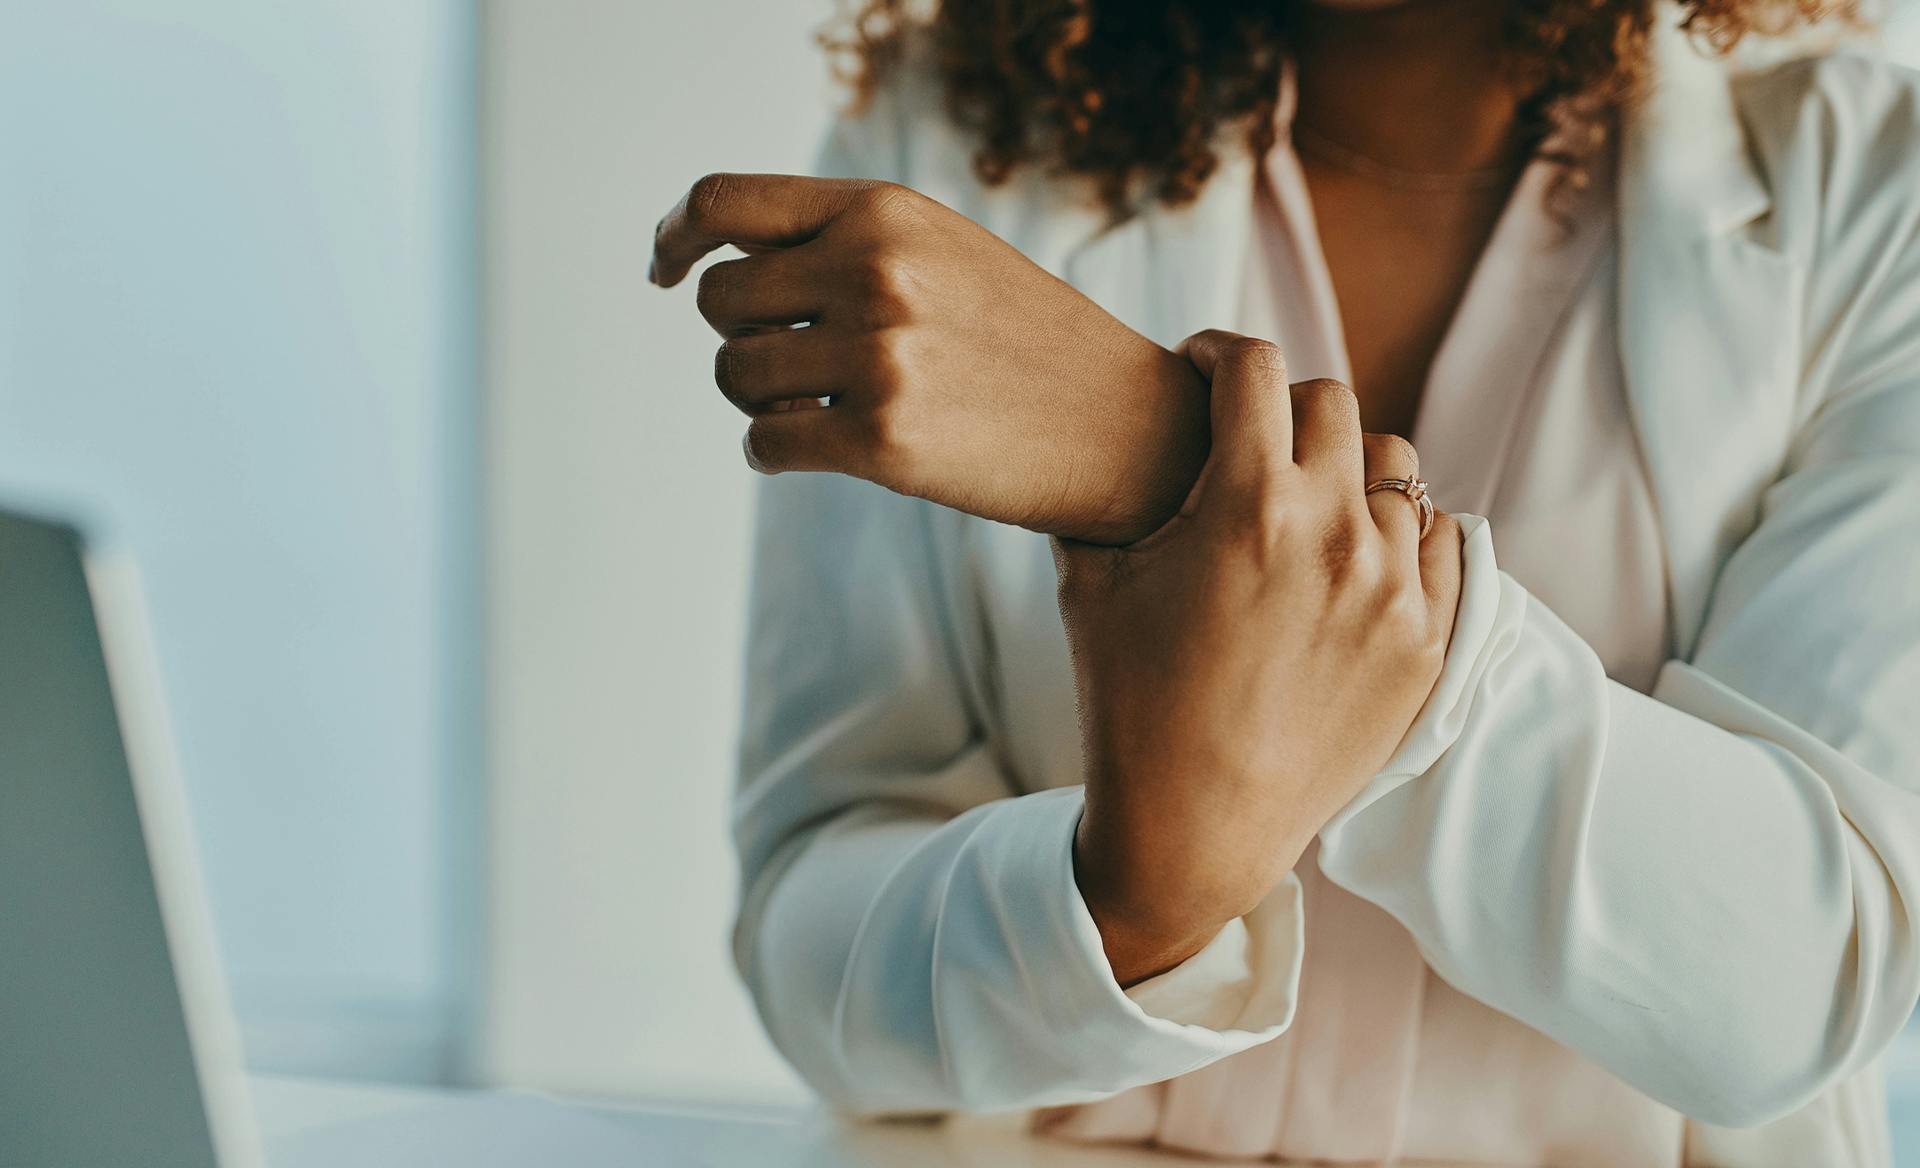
pixel 1414 489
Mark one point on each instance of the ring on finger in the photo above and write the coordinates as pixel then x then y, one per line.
pixel 1415 490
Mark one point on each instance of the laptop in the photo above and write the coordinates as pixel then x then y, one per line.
pixel 117 1045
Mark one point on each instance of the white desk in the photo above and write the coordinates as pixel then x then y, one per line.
pixel 308 1124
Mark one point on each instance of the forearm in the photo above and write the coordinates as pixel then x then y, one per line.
pixel 1157 437
pixel 909 964
pixel 909 927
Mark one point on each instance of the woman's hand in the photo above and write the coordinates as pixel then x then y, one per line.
pixel 956 369
pixel 1246 669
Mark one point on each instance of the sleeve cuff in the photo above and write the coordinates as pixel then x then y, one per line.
pixel 1486 626
pixel 1237 992
pixel 1021 1008
pixel 1058 989
pixel 1241 989
pixel 1244 982
pixel 1208 989
pixel 1220 987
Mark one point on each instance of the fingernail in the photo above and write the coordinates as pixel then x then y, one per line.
pixel 650 276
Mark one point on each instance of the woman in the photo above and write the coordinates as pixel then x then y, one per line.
pixel 1265 815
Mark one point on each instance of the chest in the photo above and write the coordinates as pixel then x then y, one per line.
pixel 1399 262
pixel 1698 346
pixel 1548 451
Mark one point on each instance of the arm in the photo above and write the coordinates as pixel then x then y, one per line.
pixel 935 348
pixel 1712 890
pixel 909 927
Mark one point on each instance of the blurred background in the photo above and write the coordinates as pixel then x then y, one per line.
pixel 335 313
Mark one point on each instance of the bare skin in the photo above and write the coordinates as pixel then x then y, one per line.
pixel 1416 87
pixel 1253 645
pixel 1280 586
pixel 959 371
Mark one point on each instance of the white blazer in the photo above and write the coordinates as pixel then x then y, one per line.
pixel 1711 890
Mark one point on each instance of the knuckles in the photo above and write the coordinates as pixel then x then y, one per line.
pixel 883 200
pixel 1400 605
pixel 1253 357
pixel 715 289
pixel 1232 354
pixel 1326 393
pixel 1353 562
pixel 706 198
pixel 1393 454
pixel 892 440
pixel 1361 592
pixel 1269 521
pixel 885 282
pixel 886 362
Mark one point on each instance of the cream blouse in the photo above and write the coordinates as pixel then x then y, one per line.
pixel 1524 421
pixel 1618 839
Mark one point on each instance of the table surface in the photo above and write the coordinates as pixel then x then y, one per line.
pixel 312 1124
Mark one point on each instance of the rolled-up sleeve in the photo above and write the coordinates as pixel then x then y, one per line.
pixel 910 928
pixel 1713 890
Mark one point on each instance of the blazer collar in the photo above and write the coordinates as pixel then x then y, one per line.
pixel 1685 172
pixel 1169 272
pixel 1707 323
pixel 1685 164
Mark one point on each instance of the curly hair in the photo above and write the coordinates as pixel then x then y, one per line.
pixel 1135 95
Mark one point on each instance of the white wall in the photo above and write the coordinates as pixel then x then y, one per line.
pixel 235 283
pixel 1902 31
pixel 618 527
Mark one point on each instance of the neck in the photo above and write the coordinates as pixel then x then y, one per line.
pixel 1417 86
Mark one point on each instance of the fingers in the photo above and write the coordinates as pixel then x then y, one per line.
pixel 1250 405
pixel 1389 456
pixel 775 288
pixel 759 369
pixel 1440 572
pixel 1326 430
pixel 754 210
pixel 1318 431
pixel 805 439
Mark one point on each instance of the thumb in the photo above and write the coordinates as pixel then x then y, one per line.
pixel 1251 406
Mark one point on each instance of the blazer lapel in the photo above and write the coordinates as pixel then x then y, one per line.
pixel 1708 317
pixel 1708 327
pixel 1170 272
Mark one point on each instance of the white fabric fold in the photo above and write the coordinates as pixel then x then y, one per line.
pixel 1684 887
pixel 1712 891
pixel 971 975
pixel 1211 988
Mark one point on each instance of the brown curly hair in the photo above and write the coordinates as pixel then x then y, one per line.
pixel 1134 94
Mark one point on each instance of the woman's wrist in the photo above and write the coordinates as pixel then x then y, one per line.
pixel 1140 942
pixel 1156 908
pixel 1167 446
